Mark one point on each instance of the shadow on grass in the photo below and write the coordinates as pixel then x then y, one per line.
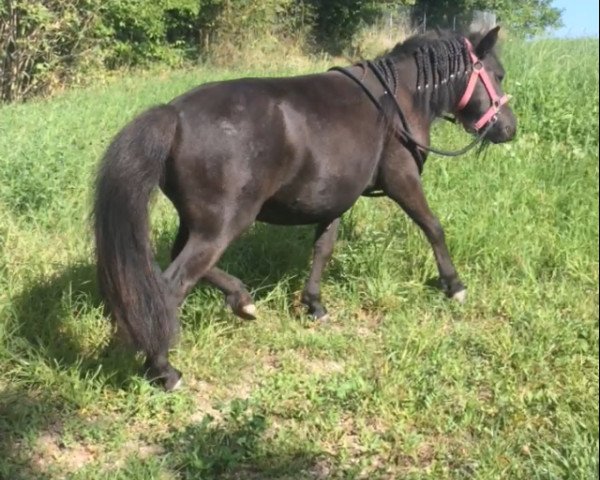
pixel 61 330
pixel 234 447
pixel 237 445
pixel 24 418
pixel 53 315
pixel 60 323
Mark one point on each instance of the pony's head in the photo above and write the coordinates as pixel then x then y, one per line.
pixel 483 105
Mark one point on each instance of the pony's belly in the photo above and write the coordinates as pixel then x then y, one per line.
pixel 308 201
pixel 284 213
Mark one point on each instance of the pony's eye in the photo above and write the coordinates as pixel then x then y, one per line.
pixel 500 76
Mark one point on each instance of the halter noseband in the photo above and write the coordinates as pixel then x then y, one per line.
pixel 479 72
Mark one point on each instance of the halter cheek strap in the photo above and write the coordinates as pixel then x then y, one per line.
pixel 479 72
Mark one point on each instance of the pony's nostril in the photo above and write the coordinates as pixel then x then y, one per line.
pixel 510 130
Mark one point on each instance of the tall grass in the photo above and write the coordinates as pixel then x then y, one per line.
pixel 401 384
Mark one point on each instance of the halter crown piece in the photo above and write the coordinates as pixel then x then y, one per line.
pixel 479 72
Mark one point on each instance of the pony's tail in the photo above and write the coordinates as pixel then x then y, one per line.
pixel 132 286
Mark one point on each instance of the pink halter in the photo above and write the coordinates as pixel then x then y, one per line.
pixel 479 72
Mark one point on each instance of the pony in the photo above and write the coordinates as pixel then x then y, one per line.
pixel 289 151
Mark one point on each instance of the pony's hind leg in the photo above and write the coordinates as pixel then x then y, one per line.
pixel 158 369
pixel 236 295
pixel 181 239
pixel 195 259
pixel 193 262
pixel 323 248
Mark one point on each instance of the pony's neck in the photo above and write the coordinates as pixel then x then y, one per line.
pixel 436 76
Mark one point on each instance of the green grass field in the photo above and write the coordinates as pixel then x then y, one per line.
pixel 400 384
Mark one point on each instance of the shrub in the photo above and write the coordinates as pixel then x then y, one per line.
pixel 44 42
pixel 142 31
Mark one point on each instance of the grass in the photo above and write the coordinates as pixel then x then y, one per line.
pixel 401 384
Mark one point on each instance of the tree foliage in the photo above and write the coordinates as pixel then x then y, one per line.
pixel 41 40
pixel 522 17
pixel 48 42
pixel 336 21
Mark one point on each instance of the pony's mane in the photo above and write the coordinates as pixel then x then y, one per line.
pixel 440 57
pixel 430 38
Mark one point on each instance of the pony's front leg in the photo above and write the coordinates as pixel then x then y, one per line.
pixel 325 237
pixel 402 183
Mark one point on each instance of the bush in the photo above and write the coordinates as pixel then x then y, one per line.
pixel 138 32
pixel 45 42
pixel 232 29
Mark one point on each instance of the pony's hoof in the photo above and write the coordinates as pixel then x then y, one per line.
pixel 173 381
pixel 167 377
pixel 322 319
pixel 241 305
pixel 177 386
pixel 247 312
pixel 319 314
pixel 460 296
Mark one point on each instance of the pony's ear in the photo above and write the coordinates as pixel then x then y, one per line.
pixel 487 43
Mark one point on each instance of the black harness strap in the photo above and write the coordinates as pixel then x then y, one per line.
pixel 405 132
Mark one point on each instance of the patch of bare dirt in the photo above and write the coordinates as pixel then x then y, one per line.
pixel 204 398
pixel 50 452
pixel 318 366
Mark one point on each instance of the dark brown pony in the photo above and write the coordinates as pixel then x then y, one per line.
pixel 286 151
